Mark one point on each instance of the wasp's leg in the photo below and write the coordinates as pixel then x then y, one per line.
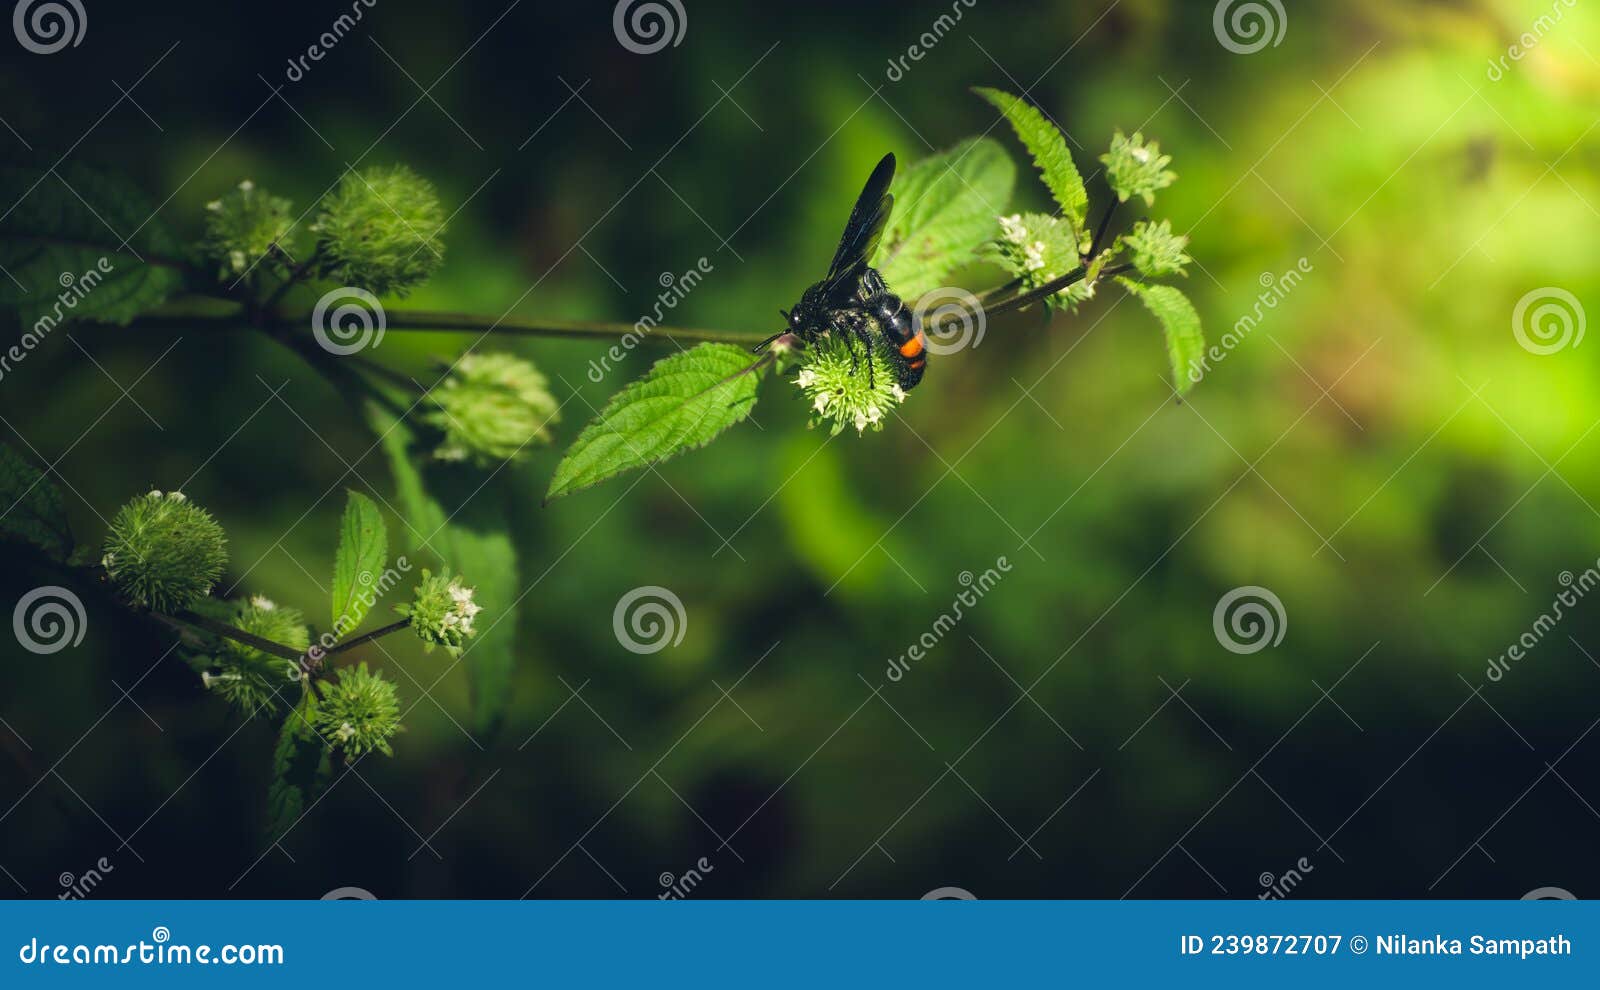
pixel 858 325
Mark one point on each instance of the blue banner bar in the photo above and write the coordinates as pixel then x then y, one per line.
pixel 337 944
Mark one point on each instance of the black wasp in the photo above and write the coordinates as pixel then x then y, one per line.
pixel 854 302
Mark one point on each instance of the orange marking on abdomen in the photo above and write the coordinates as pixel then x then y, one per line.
pixel 912 347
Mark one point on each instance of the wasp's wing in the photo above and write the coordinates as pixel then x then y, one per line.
pixel 865 228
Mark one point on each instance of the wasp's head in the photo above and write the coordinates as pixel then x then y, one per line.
pixel 792 317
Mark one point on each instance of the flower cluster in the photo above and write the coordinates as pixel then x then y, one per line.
pixel 1134 168
pixel 255 682
pixel 1037 248
pixel 834 377
pixel 163 552
pixel 491 408
pixel 358 713
pixel 441 611
pixel 245 226
pixel 1156 249
pixel 379 230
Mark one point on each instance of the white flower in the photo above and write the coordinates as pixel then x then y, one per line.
pixel 246 186
pixel 262 602
pixel 1013 228
pixel 1033 256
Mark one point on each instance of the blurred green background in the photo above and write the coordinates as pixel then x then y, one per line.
pixel 1379 452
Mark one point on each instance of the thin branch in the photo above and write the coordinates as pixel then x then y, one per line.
pixel 1048 289
pixel 229 632
pixel 364 638
pixel 583 329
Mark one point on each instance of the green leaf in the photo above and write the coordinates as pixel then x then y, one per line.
pixel 359 562
pixel 33 508
pixel 1048 147
pixel 466 523
pixel 63 244
pixel 301 768
pixel 1185 343
pixel 945 207
pixel 683 402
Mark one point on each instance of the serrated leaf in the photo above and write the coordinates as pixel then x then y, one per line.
pixel 32 507
pixel 358 563
pixel 1180 323
pixel 945 207
pixel 683 402
pixel 301 767
pixel 466 523
pixel 63 244
pixel 1048 146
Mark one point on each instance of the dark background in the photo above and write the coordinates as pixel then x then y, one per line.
pixel 1379 452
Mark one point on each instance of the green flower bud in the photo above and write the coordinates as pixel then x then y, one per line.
pixel 163 551
pixel 1134 168
pixel 242 227
pixel 380 230
pixel 838 387
pixel 358 713
pixel 256 682
pixel 441 611
pixel 1156 249
pixel 1038 248
pixel 490 409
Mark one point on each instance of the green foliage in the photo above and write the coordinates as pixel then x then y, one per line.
pixel 1134 168
pixel 163 551
pixel 1048 146
pixel 301 768
pixel 840 390
pixel 253 681
pixel 1179 322
pixel 491 408
pixel 379 230
pixel 683 402
pixel 1156 249
pixel 442 612
pixel 361 557
pixel 34 510
pixel 66 256
pixel 359 713
pixel 944 208
pixel 244 226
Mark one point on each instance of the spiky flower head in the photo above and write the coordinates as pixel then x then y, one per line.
pixel 256 682
pixel 163 551
pixel 1037 248
pixel 380 230
pixel 358 713
pixel 491 408
pixel 1134 168
pixel 442 611
pixel 1156 249
pixel 243 226
pixel 841 391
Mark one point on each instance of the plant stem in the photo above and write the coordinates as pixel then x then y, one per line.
pixel 1105 223
pixel 583 329
pixel 229 632
pixel 364 638
pixel 1048 289
pixel 296 273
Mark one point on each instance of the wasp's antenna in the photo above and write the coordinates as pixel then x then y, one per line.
pixel 784 313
